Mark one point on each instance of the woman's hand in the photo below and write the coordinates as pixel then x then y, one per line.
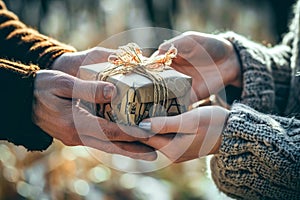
pixel 57 111
pixel 209 59
pixel 189 135
pixel 70 62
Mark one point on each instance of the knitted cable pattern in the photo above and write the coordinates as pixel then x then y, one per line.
pixel 259 156
pixel 266 74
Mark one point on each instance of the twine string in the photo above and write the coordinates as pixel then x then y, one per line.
pixel 129 59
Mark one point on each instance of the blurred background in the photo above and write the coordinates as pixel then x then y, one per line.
pixel 72 172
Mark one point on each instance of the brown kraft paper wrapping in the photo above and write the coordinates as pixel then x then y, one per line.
pixel 134 100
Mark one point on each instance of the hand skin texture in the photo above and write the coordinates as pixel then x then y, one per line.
pixel 70 62
pixel 212 63
pixel 210 60
pixel 198 133
pixel 57 111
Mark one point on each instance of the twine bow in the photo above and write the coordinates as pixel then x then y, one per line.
pixel 129 59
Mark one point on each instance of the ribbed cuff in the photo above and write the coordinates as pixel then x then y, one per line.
pixel 16 107
pixel 32 137
pixel 255 153
pixel 258 85
pixel 49 55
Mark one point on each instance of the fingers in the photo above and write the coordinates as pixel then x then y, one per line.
pixel 189 51
pixel 159 141
pixel 161 125
pixel 70 124
pixel 102 129
pixel 163 48
pixel 97 55
pixel 177 148
pixel 207 47
pixel 184 123
pixel 184 43
pixel 133 150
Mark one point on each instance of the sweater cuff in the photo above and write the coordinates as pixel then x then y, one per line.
pixel 255 153
pixel 16 107
pixel 49 54
pixel 258 86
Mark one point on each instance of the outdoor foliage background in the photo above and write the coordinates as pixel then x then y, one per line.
pixel 71 172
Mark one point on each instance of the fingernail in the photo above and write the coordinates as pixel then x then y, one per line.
pixel 108 91
pixel 145 125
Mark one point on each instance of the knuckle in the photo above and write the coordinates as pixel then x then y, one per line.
pixel 165 46
pixel 170 125
pixel 70 139
pixel 113 132
pixel 110 134
pixel 64 84
pixel 93 91
pixel 167 128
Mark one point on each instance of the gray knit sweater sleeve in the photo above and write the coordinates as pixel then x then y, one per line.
pixel 266 73
pixel 259 156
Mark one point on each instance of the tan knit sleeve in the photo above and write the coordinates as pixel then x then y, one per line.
pixel 23 51
pixel 259 156
pixel 21 43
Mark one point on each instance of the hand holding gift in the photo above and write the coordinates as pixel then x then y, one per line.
pixel 57 112
pixel 70 62
pixel 190 135
pixel 212 63
pixel 147 86
pixel 210 60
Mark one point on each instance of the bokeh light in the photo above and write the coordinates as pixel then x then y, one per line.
pixel 63 172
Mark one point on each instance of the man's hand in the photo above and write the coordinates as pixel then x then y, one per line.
pixel 209 59
pixel 70 62
pixel 189 135
pixel 57 111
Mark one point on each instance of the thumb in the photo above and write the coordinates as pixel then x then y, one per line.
pixel 93 91
pixel 66 86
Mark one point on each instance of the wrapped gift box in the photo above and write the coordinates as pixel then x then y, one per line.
pixel 135 95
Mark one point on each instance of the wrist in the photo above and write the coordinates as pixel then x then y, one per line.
pixel 217 146
pixel 68 63
pixel 231 69
pixel 221 123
